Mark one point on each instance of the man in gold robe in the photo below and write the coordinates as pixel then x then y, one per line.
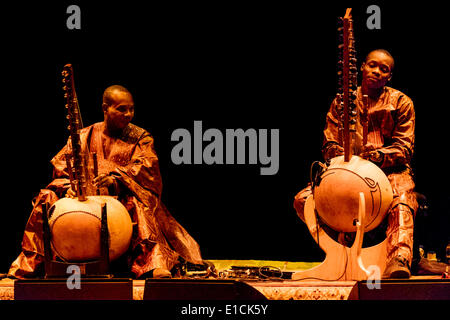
pixel 390 145
pixel 127 168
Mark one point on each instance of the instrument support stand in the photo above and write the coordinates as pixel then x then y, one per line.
pixel 341 262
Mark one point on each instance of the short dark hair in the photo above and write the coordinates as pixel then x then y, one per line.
pixel 385 52
pixel 107 99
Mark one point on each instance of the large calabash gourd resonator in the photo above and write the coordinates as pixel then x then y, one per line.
pixel 76 227
pixel 336 194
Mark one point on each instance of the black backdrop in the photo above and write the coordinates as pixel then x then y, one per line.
pixel 232 66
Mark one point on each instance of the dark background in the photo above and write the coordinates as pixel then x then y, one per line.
pixel 232 66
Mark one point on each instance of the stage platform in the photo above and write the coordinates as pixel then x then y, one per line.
pixel 277 288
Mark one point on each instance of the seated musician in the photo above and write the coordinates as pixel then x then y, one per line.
pixel 128 168
pixel 390 145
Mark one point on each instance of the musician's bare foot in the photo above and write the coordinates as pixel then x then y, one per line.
pixel 161 273
pixel 156 273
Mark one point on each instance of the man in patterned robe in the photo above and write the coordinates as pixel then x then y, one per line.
pixel 391 120
pixel 127 168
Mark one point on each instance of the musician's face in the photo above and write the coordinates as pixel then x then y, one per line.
pixel 121 111
pixel 377 70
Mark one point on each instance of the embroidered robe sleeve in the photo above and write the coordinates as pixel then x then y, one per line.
pixel 398 149
pixel 142 175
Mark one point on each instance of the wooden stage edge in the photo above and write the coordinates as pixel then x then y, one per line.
pixel 301 290
pixel 431 287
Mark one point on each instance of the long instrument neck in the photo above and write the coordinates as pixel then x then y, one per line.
pixel 77 171
pixel 347 84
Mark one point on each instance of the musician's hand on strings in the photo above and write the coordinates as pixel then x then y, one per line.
pixel 335 151
pixel 375 156
pixel 366 150
pixel 70 193
pixel 104 180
